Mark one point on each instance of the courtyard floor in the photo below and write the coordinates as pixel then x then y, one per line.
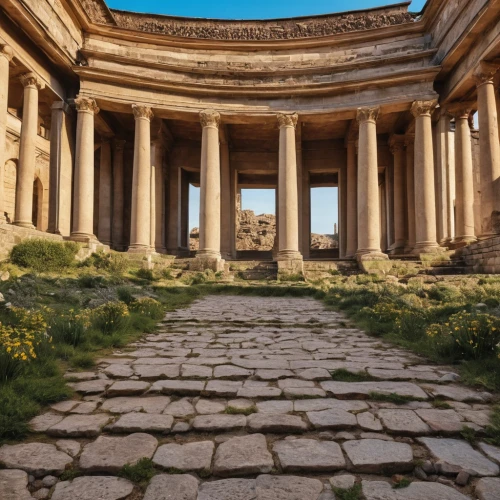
pixel 233 398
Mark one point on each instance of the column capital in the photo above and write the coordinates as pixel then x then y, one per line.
pixel 397 143
pixel 31 80
pixel 209 118
pixel 367 114
pixel 6 51
pixel 484 73
pixel 409 140
pixel 86 105
pixel 142 112
pixel 460 109
pixel 287 120
pixel 423 108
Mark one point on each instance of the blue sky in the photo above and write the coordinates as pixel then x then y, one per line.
pixel 255 9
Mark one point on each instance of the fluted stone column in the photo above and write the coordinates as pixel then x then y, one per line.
pixel 27 151
pixel 410 192
pixel 396 144
pixel 105 194
pixel 368 189
pixel 83 206
pixel 140 228
pixel 352 201
pixel 489 150
pixel 288 249
pixel 5 58
pixel 118 194
pixel 464 200
pixel 425 196
pixel 210 187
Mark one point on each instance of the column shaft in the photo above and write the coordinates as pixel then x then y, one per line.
pixel 158 229
pixel 5 58
pixel 225 200
pixel 83 207
pixel 352 201
pixel 397 149
pixel 118 195
pixel 410 192
pixel 105 194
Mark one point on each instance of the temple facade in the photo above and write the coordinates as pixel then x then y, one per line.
pixel 107 117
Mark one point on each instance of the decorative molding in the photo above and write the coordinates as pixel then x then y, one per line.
pixel 86 104
pixel 142 112
pixel 396 143
pixel 6 51
pixel 485 72
pixel 367 114
pixel 287 120
pixel 31 80
pixel 97 11
pixel 409 140
pixel 423 108
pixel 209 118
pixel 281 29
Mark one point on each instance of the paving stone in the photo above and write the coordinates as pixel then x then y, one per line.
pixel 91 386
pixel 154 404
pixel 181 427
pixel 180 408
pixel 219 422
pixel 295 383
pixel 343 481
pixel 406 374
pixel 208 407
pixel 287 488
pixel 309 455
pixel 64 406
pixel 263 364
pixel 329 404
pixel 375 455
pixel 223 388
pixel 80 376
pixel 42 422
pixel 69 446
pixel 344 390
pixel 41 494
pixel 243 455
pixel 460 453
pixel 487 488
pixel 275 406
pixel 185 457
pixel 259 392
pixel 441 420
pixel 376 435
pixel 367 421
pixel 403 422
pixel 14 485
pixel 267 422
pixel 331 419
pixel 196 371
pixel 314 374
pixel 127 388
pixel 380 490
pixel 155 372
pixel 85 408
pixel 231 372
pixel 492 452
pixel 481 418
pixel 143 422
pixel 110 453
pixel 93 488
pixel 228 489
pixel 118 371
pixel 172 487
pixel 79 426
pixel 273 374
pixel 303 392
pixel 37 459
pixel 241 404
pixel 457 393
pixel 184 387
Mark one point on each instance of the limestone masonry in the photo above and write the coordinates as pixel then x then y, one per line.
pixel 107 117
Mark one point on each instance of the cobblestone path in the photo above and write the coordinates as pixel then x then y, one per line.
pixel 233 399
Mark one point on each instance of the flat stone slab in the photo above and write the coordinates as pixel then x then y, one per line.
pixel 408 374
pixel 196 371
pixel 155 372
pixel 442 420
pixel 219 422
pixel 492 452
pixel 329 404
pixel 274 406
pixel 376 455
pixel 268 422
pixel 273 374
pixel 14 485
pixel 110 454
pixel 457 393
pixel 172 487
pixel 345 390
pixel 79 426
pixel 368 422
pixel 228 489
pixel 287 488
pixel 487 488
pixel 180 408
pixel 93 488
pixel 403 422
pixel 37 459
pixel 69 446
pixel 460 453
pixel 118 371
pixel 184 387
pixel 380 490
pixel 295 383
pixel 243 455
pixel 314 374
pixel 143 422
pixel 259 392
pixel 309 455
pixel 231 372
pixel 155 404
pixel 91 386
pixel 223 388
pixel 331 419
pixel 303 392
pixel 209 407
pixel 185 457
pixel 42 422
pixel 127 388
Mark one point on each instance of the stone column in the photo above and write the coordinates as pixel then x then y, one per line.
pixel 210 187
pixel 105 194
pixel 140 226
pixel 158 207
pixel 368 189
pixel 396 144
pixel 352 201
pixel 27 151
pixel 410 192
pixel 5 58
pixel 118 195
pixel 83 205
pixel 173 236
pixel 489 156
pixel 225 200
pixel 464 175
pixel 287 191
pixel 425 196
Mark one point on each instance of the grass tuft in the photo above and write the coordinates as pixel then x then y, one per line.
pixel 394 398
pixel 140 473
pixel 343 375
pixel 231 410
pixel 353 493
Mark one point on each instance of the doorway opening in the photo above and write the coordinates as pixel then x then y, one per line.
pixel 324 237
pixel 192 218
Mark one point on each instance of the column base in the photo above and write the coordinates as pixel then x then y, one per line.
pixel 24 223
pixel 83 238
pixel 290 267
pixel 288 255
pixel 203 262
pixel 374 262
pixel 426 247
pixel 397 248
pixel 142 249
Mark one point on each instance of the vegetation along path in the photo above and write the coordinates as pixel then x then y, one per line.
pixel 259 398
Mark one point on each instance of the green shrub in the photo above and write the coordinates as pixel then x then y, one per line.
pixel 44 255
pixel 147 306
pixel 145 274
pixel 111 317
pixel 125 294
pixel 70 327
pixel 114 263
pixel 90 281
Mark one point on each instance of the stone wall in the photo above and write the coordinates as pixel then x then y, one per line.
pixel 483 256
